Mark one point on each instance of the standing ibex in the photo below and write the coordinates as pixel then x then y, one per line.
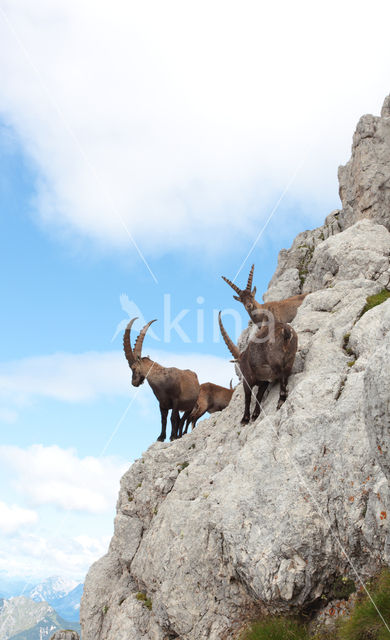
pixel 282 311
pixel 268 356
pixel 211 398
pixel 175 389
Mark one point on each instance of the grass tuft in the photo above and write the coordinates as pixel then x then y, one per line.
pixel 276 629
pixel 365 623
pixel 377 298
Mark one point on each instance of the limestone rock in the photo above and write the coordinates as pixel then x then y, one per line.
pixel 294 263
pixel 365 179
pixel 65 635
pixel 230 521
pixel 364 187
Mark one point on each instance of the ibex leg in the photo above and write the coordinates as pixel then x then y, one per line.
pixel 175 421
pixel 283 391
pixel 184 417
pixel 248 394
pixel 260 393
pixel 164 414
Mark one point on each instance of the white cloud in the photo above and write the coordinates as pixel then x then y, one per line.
pixel 35 557
pixel 13 517
pixel 66 376
pixel 186 120
pixel 55 476
pixel 86 376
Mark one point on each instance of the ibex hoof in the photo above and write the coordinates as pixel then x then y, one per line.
pixel 160 439
pixel 245 420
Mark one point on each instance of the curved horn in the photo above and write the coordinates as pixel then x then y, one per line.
pixel 233 286
pixel 127 343
pixel 250 278
pixel 140 339
pixel 229 343
pixel 231 384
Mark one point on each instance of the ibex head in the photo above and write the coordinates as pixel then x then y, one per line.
pixel 247 295
pixel 134 356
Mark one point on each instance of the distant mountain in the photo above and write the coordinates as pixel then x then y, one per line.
pixel 51 589
pixel 23 619
pixel 69 606
pixel 45 629
pixel 63 595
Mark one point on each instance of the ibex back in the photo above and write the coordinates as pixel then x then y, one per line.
pixel 211 398
pixel 282 310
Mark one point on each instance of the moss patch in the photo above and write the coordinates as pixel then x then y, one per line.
pixel 276 629
pixel 377 298
pixel 142 597
pixel 342 588
pixel 182 466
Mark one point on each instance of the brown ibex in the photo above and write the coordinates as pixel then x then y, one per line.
pixel 282 311
pixel 174 389
pixel 268 356
pixel 211 398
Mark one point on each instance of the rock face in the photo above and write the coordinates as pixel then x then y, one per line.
pixel 231 521
pixel 65 635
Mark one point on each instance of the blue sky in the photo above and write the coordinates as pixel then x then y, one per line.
pixel 105 127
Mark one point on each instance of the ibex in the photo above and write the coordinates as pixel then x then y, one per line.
pixel 174 389
pixel 211 398
pixel 282 311
pixel 268 356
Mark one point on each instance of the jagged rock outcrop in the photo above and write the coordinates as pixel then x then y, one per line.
pixel 66 634
pixel 364 187
pixel 230 521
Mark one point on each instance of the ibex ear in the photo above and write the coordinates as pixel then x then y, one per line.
pixel 234 361
pixel 254 291
pixel 237 298
pixel 138 358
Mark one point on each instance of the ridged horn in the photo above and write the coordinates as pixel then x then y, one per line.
pixel 127 343
pixel 140 339
pixel 250 278
pixel 232 285
pixel 229 343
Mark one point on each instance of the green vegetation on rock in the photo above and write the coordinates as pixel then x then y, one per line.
pixel 377 298
pixel 276 629
pixel 368 619
pixel 369 614
pixel 142 597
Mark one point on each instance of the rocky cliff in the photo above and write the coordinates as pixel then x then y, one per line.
pixel 231 521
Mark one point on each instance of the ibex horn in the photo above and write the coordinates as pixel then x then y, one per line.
pixel 250 278
pixel 233 286
pixel 140 339
pixel 229 343
pixel 127 343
